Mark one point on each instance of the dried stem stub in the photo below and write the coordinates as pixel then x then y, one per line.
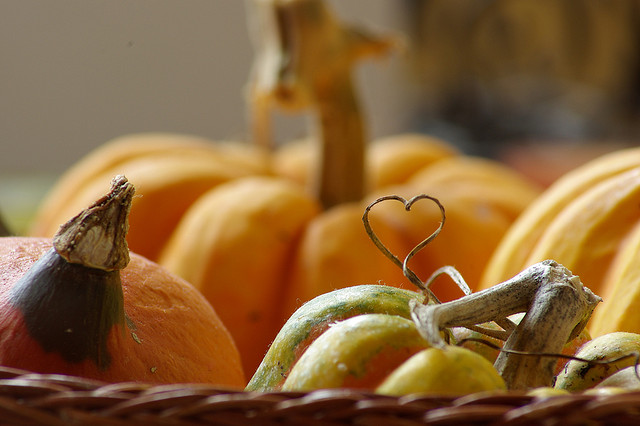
pixel 557 308
pixel 96 237
pixel 72 296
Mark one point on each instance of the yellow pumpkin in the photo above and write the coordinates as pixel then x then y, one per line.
pixel 619 309
pixel 612 351
pixel 589 221
pixel 451 370
pixel 531 231
pixel 358 352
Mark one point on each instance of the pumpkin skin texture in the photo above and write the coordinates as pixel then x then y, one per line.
pixel 448 371
pixel 389 161
pixel 395 159
pixel 176 335
pixel 578 376
pixel 163 167
pixel 514 250
pixel 358 352
pixel 478 179
pixel 239 237
pixel 619 309
pixel 334 251
pixel 315 316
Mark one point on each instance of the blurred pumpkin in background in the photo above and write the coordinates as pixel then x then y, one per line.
pixel 82 305
pixel 259 229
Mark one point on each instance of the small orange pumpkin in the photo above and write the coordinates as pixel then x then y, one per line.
pixel 85 307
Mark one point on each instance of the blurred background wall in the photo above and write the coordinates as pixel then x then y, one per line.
pixel 76 73
pixel 499 71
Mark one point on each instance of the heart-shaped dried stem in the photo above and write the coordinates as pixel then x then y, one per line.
pixel 407 206
pixel 557 308
pixel 408 273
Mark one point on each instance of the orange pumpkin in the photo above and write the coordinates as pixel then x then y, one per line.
pixel 596 199
pixel 163 167
pixel 77 306
pixel 265 236
pixel 268 245
pixel 588 220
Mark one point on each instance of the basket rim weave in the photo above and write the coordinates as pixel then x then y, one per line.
pixel 53 399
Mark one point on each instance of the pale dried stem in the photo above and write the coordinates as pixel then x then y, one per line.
pixel 96 237
pixel 404 265
pixel 448 270
pixel 557 308
pixel 556 316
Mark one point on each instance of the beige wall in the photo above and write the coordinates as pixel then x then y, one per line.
pixel 76 73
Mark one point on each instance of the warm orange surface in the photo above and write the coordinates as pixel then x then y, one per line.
pixel 178 336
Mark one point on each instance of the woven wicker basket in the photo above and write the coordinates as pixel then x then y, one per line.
pixel 44 399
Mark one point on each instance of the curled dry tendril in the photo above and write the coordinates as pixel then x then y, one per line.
pixel 407 272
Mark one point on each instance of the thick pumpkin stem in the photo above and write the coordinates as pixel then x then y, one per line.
pixel 557 308
pixel 304 60
pixel 72 297
pixel 339 176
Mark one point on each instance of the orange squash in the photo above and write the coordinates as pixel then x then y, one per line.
pixel 163 166
pixel 82 305
pixel 268 245
pixel 588 220
pixel 260 238
pixel 534 225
